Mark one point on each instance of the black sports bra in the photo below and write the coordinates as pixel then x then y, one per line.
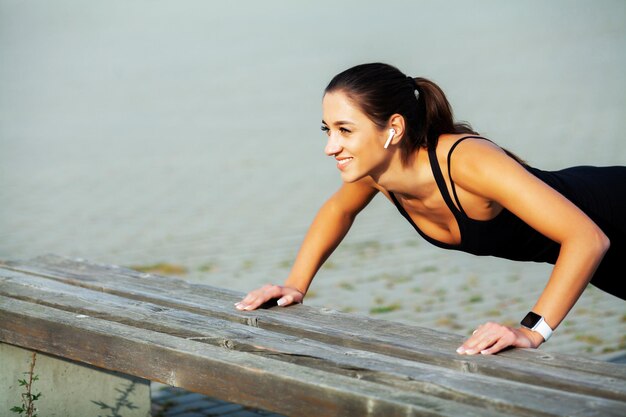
pixel 505 235
pixel 600 192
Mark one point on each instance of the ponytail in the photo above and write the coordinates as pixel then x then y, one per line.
pixel 434 118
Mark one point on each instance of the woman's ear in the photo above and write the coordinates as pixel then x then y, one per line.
pixel 396 122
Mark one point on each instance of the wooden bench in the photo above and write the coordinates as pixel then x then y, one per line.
pixel 299 361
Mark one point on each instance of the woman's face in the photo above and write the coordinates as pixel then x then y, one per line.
pixel 353 139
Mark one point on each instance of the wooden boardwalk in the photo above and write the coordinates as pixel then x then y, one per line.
pixel 294 361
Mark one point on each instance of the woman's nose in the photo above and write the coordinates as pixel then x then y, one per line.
pixel 332 146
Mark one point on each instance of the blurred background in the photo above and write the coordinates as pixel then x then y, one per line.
pixel 183 138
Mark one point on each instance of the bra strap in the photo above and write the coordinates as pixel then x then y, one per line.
pixel 441 183
pixel 456 197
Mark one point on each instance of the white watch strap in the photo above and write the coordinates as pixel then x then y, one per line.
pixel 543 329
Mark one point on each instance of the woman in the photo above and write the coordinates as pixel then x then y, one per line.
pixel 395 135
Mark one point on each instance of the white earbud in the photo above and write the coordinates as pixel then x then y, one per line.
pixel 391 133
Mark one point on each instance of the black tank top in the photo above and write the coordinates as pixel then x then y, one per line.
pixel 599 191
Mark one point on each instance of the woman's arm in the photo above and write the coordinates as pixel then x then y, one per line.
pixel 328 229
pixel 482 168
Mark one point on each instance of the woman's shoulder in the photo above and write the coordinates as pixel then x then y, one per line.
pixel 470 157
pixel 446 141
pixel 464 146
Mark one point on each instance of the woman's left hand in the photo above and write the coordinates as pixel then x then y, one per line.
pixel 490 338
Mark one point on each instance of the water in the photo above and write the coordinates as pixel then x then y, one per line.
pixel 187 132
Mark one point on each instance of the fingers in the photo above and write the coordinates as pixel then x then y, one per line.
pixel 285 301
pixel 496 347
pixel 488 339
pixel 294 296
pixel 257 297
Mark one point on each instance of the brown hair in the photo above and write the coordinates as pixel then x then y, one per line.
pixel 381 90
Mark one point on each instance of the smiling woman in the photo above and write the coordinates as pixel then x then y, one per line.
pixel 394 134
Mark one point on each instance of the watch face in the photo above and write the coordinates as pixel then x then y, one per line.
pixel 531 320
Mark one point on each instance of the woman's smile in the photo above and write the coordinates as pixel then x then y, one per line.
pixel 343 162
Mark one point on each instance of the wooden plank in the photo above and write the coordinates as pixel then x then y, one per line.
pixel 249 379
pixel 409 342
pixel 309 323
pixel 504 395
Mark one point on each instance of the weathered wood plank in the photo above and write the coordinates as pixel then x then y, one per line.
pixel 234 376
pixel 409 342
pixel 514 398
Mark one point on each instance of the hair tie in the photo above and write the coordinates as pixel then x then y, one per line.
pixel 414 87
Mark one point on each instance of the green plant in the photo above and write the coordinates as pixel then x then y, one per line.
pixel 385 309
pixel 476 299
pixel 208 267
pixel 346 286
pixel 28 398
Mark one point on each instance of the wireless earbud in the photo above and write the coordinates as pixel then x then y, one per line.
pixel 391 133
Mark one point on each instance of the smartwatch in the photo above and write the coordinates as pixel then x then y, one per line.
pixel 536 323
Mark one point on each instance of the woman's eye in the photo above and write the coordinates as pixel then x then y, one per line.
pixel 326 130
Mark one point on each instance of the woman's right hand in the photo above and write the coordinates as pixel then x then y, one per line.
pixel 285 295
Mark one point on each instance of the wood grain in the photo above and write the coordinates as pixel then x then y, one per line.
pixel 217 371
pixel 418 365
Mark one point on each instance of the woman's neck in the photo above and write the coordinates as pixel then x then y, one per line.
pixel 406 179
